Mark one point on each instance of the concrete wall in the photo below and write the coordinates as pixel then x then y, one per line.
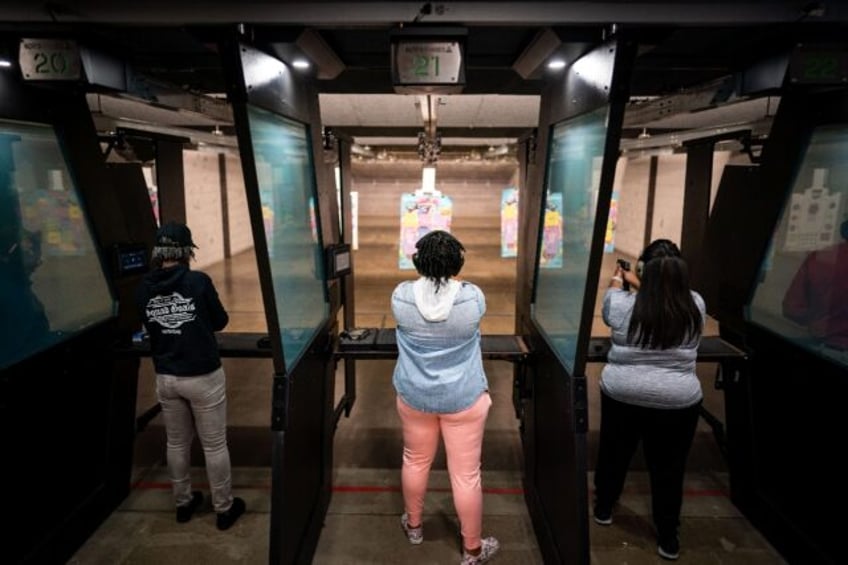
pixel 475 188
pixel 632 206
pixel 476 191
pixel 204 205
pixel 668 198
pixel 241 238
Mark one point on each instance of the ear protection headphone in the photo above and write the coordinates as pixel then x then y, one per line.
pixel 657 249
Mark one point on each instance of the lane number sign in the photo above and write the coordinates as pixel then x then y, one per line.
pixel 428 62
pixel 49 59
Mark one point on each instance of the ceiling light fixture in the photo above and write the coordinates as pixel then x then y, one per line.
pixel 556 64
pixel 300 64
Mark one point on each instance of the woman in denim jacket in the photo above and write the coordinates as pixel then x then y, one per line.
pixel 442 388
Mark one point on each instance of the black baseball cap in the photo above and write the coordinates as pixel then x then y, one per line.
pixel 174 234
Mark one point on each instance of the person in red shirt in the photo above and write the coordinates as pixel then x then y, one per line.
pixel 816 297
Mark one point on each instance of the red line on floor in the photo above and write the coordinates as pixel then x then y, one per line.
pixel 372 488
pixel 366 488
pixel 152 485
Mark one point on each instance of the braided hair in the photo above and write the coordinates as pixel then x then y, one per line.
pixel 665 314
pixel 439 257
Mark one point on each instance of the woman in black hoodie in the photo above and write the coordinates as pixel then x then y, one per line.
pixel 181 310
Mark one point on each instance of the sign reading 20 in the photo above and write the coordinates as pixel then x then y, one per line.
pixel 49 59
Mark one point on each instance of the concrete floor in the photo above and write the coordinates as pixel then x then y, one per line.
pixel 362 525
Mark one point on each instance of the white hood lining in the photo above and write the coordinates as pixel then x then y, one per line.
pixel 435 306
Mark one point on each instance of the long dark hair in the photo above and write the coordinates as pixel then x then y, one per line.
pixel 439 256
pixel 665 314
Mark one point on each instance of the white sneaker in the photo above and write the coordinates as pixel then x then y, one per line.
pixel 414 535
pixel 488 548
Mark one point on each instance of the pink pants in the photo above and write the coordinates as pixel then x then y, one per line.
pixel 463 433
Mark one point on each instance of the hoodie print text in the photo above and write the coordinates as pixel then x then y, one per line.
pixel 171 311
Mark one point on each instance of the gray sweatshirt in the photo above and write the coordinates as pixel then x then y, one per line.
pixel 652 378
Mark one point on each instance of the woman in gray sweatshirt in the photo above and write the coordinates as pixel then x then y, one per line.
pixel 649 389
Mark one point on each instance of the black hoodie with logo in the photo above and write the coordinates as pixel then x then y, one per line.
pixel 181 310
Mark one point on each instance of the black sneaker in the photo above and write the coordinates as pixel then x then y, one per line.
pixel 229 517
pixel 669 548
pixel 603 517
pixel 186 511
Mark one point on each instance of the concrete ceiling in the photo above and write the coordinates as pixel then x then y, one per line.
pixel 691 55
pixel 376 116
pixel 454 110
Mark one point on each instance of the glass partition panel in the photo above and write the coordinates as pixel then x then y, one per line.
pixel 567 225
pixel 52 284
pixel 803 283
pixel 284 170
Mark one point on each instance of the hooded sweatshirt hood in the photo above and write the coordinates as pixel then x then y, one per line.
pixel 161 281
pixel 434 302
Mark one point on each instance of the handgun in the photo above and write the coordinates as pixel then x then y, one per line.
pixel 625 266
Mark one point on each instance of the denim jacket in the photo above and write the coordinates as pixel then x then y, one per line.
pixel 440 364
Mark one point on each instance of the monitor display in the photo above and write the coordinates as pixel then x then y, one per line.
pixel 566 228
pixel 130 259
pixel 339 264
pixel 52 282
pixel 803 282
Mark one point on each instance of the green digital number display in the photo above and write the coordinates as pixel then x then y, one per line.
pixel 819 67
pixel 426 65
pixel 428 62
